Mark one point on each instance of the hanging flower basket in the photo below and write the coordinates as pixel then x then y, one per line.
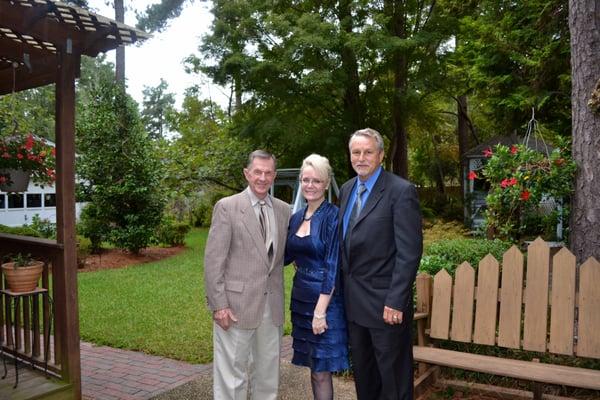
pixel 14 180
pixel 24 157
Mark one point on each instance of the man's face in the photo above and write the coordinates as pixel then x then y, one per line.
pixel 365 156
pixel 260 176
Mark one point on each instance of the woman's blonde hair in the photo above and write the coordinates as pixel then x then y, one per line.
pixel 321 166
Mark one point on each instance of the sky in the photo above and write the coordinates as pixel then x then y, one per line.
pixel 162 55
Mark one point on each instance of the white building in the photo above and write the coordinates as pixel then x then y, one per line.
pixel 18 209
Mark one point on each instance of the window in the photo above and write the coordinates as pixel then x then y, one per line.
pixel 16 200
pixel 49 200
pixel 2 201
pixel 34 200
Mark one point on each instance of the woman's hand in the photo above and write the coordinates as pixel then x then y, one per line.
pixel 319 323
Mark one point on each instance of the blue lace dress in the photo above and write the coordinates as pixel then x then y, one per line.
pixel 316 257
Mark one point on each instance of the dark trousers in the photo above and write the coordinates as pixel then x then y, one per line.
pixel 382 361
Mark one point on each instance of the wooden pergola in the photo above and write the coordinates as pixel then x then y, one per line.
pixel 41 43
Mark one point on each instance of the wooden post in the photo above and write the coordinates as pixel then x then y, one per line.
pixel 424 293
pixel 536 387
pixel 65 272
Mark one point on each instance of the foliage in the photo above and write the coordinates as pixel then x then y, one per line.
pixel 158 105
pixel 28 153
pixel 119 170
pixel 449 254
pixel 84 249
pixel 28 111
pixel 92 227
pixel 171 232
pixel 19 230
pixel 520 178
pixel 45 228
pixel 512 56
pixel 206 154
pixel 21 260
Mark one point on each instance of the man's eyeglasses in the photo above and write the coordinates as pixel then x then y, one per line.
pixel 308 181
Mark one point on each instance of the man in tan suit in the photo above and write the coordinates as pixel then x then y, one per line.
pixel 243 274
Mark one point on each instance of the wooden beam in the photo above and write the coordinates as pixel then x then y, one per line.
pixel 31 21
pixel 27 20
pixel 65 276
pixel 43 72
pixel 14 50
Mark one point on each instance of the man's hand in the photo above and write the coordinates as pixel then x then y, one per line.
pixel 392 316
pixel 224 318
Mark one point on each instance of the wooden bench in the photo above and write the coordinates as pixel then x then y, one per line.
pixel 555 309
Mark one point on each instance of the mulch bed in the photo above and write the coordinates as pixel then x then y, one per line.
pixel 115 258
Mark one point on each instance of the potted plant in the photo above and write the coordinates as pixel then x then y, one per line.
pixel 22 273
pixel 23 158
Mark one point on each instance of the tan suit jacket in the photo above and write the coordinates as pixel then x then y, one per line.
pixel 237 272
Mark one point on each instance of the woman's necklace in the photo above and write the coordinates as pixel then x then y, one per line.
pixel 305 218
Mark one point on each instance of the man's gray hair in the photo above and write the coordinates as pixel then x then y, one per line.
pixel 261 154
pixel 370 133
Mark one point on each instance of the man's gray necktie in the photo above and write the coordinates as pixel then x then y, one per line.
pixel 265 228
pixel 357 205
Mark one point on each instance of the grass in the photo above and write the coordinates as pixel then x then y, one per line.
pixel 158 308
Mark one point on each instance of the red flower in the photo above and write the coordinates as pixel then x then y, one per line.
pixel 2 179
pixel 488 152
pixel 5 155
pixel 514 149
pixel 508 182
pixel 29 142
pixel 525 195
pixel 472 175
pixel 19 156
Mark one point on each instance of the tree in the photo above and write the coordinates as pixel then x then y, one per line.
pixel 585 63
pixel 119 169
pixel 206 154
pixel 158 104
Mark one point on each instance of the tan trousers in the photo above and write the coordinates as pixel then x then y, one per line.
pixel 247 358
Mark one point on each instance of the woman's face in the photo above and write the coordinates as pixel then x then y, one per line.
pixel 313 186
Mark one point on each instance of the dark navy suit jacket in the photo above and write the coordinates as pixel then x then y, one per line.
pixel 380 264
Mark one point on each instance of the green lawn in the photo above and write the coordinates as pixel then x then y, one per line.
pixel 158 308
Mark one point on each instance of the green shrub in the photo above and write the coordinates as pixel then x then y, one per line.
pixel 171 232
pixel 448 254
pixel 84 249
pixel 46 228
pixel 19 230
pixel 91 226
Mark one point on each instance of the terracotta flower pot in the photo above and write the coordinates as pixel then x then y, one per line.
pixel 22 279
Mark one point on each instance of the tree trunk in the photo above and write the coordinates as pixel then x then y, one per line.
pixel 120 57
pixel 400 68
pixel 584 26
pixel 353 111
pixel 463 147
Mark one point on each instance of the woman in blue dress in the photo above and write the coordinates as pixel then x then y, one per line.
pixel 318 319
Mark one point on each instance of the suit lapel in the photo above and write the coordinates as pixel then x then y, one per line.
pixel 252 226
pixel 346 197
pixel 373 199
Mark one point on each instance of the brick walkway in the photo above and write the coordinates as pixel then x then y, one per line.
pixel 115 374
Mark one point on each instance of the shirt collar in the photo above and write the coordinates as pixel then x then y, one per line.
pixel 254 200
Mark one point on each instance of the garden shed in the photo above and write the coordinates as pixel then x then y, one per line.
pixel 477 189
pixel 41 43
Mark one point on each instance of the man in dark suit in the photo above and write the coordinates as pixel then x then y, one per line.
pixel 382 246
